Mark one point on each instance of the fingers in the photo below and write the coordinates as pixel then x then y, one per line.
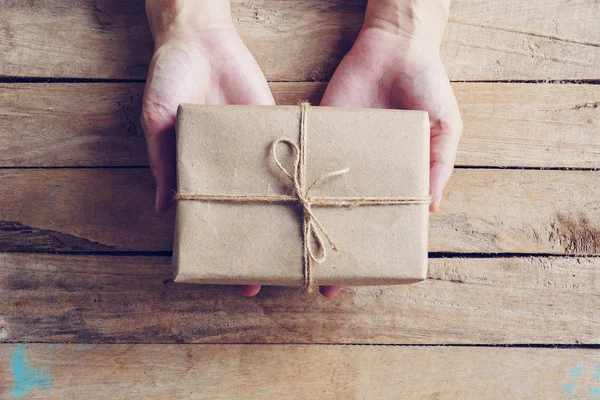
pixel 249 290
pixel 160 140
pixel 439 174
pixel 444 144
pixel 443 154
pixel 326 291
pixel 446 131
pixel 329 291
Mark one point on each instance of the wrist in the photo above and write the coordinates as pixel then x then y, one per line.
pixel 180 18
pixel 412 20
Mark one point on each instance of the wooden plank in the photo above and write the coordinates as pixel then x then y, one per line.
pixel 88 124
pixel 110 39
pixel 483 211
pixel 526 125
pixel 575 20
pixel 71 125
pixel 518 211
pixel 472 51
pixel 293 372
pixel 81 210
pixel 98 39
pixel 124 299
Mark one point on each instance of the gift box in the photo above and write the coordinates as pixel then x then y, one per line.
pixel 301 195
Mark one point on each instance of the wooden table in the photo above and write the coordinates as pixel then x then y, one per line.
pixel 511 308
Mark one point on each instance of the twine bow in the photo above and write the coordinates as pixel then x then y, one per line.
pixel 310 221
pixel 311 225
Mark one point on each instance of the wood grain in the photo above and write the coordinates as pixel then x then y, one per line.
pixel 65 124
pixel 299 372
pixel 81 210
pixel 495 40
pixel 529 125
pixel 127 299
pixel 87 124
pixel 109 39
pixel 518 211
pixel 554 18
pixel 483 211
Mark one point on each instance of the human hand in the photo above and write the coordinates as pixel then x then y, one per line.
pixel 198 58
pixel 395 63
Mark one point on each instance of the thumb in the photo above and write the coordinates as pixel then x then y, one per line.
pixel 445 136
pixel 159 128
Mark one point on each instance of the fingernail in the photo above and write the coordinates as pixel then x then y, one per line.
pixel 249 290
pixel 329 291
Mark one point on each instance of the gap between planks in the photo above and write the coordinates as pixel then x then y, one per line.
pixel 26 79
pixel 491 167
pixel 432 255
pixel 557 346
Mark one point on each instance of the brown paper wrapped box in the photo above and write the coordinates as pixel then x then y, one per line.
pixel 226 151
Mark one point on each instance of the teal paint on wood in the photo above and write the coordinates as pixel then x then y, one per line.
pixel 569 389
pixel 576 371
pixel 26 377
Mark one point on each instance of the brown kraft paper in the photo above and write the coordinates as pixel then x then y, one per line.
pixel 226 151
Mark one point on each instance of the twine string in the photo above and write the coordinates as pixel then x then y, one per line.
pixel 314 226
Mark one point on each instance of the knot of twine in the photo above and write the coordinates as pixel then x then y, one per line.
pixel 311 225
pixel 310 221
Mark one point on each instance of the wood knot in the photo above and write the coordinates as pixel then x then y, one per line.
pixel 575 235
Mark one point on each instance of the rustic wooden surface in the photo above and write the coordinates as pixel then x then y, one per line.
pixel 302 372
pixel 483 211
pixel 124 299
pixel 96 124
pixel 503 41
pixel 515 249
